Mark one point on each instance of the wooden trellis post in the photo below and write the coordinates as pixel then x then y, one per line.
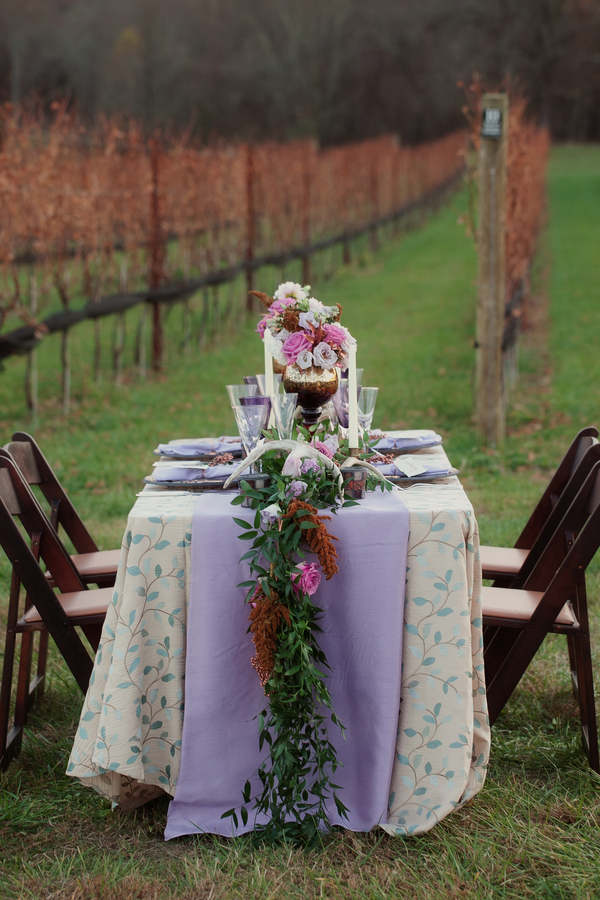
pixel 491 281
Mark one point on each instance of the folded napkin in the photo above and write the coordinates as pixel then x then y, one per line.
pixel 192 473
pixel 412 464
pixel 193 446
pixel 397 440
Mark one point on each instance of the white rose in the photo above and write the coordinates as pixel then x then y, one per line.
pixel 349 341
pixel 274 346
pixel 304 359
pixel 315 305
pixel 324 356
pixel 308 318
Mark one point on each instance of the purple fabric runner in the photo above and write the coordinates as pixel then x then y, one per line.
pixel 362 625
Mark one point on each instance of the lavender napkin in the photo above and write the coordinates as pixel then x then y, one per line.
pixel 397 440
pixel 193 446
pixel 191 473
pixel 433 468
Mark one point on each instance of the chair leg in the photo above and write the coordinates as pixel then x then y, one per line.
pixel 582 679
pixel 22 703
pixel 40 681
pixel 93 633
pixel 497 644
pixel 7 746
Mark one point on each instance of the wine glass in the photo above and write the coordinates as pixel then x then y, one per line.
pixel 236 391
pixel 284 407
pixel 251 421
pixel 366 407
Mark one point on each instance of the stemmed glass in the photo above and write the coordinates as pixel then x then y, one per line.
pixel 284 407
pixel 366 407
pixel 251 421
pixel 236 391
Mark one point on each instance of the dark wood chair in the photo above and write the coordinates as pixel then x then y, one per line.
pixel 549 599
pixel 95 566
pixel 41 610
pixel 502 564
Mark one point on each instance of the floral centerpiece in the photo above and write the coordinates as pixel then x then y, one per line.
pixel 306 337
pixel 302 331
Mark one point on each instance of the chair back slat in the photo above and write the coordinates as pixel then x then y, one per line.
pixel 594 497
pixel 24 457
pixel 55 494
pixel 34 520
pixel 8 494
pixel 558 482
pixel 585 443
pixel 561 507
pixel 568 549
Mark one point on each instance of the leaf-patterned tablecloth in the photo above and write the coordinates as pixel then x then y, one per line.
pixel 128 741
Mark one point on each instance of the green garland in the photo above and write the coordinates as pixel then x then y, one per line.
pixel 296 777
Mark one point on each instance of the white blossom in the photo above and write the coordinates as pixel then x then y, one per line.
pixel 304 359
pixel 291 289
pixel 324 356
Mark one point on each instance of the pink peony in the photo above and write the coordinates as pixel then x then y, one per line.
pixel 335 334
pixel 295 344
pixel 309 579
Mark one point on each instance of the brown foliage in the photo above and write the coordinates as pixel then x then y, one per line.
pixel 264 298
pixel 103 209
pixel 318 539
pixel 265 617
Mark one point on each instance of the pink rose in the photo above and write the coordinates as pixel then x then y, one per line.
pixel 309 579
pixel 295 344
pixel 327 450
pixel 334 333
pixel 260 328
pixel 279 305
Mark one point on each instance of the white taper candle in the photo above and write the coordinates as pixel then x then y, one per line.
pixel 269 382
pixel 352 400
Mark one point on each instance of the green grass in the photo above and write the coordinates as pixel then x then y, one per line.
pixel 534 829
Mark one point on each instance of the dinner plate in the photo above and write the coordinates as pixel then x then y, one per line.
pixel 203 484
pixel 200 457
pixel 416 479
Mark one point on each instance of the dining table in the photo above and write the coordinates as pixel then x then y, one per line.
pixel 172 701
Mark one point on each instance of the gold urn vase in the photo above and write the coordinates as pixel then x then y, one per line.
pixel 314 386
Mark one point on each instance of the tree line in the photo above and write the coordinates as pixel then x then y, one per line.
pixel 337 70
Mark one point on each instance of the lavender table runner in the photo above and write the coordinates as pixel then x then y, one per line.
pixel 363 623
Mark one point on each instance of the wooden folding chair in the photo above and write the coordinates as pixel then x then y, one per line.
pixel 95 566
pixel 502 563
pixel 551 599
pixel 42 610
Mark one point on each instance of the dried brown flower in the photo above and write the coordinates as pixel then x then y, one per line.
pixel 291 320
pixel 264 298
pixel 265 619
pixel 318 539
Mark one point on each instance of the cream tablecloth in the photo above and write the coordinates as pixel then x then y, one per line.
pixel 128 742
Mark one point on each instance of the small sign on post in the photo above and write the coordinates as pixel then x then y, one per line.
pixel 491 279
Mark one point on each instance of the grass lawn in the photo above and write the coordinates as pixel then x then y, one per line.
pixel 534 829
